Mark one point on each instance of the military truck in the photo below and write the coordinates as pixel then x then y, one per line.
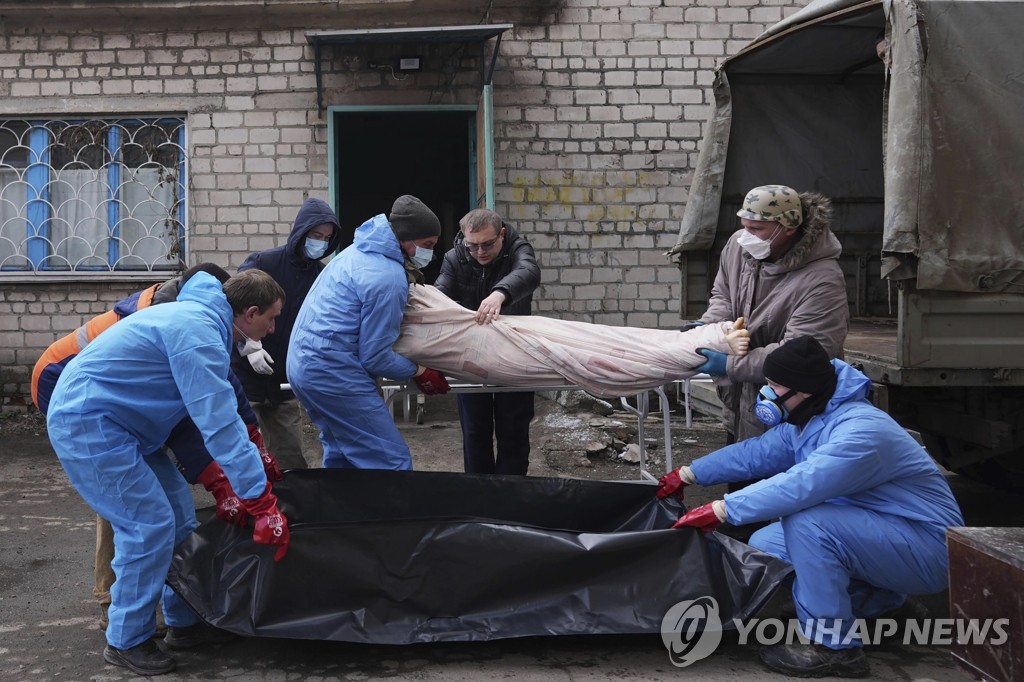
pixel 922 153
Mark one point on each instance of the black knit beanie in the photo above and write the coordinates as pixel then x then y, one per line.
pixel 209 268
pixel 802 365
pixel 411 219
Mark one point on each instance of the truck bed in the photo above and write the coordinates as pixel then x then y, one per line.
pixel 871 338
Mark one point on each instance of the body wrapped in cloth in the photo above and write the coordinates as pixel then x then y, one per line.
pixel 398 557
pixel 526 351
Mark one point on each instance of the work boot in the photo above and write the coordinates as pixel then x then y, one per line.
pixel 196 635
pixel 911 609
pixel 814 660
pixel 144 659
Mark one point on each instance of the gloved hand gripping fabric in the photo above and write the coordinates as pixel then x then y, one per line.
pixel 707 517
pixel 674 482
pixel 271 526
pixel 229 505
pixel 270 465
pixel 738 339
pixel 432 382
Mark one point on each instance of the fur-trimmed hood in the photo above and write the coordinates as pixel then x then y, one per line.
pixel 816 241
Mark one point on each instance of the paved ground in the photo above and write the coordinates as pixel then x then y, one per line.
pixel 48 620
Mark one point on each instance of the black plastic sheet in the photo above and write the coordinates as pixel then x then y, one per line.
pixel 401 557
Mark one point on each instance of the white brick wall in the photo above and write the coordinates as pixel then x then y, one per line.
pixel 598 115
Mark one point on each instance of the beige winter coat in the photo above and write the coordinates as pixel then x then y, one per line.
pixel 803 293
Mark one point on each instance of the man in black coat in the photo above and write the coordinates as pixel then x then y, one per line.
pixel 294 266
pixel 492 269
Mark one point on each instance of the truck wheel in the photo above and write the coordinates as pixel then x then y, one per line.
pixel 1005 471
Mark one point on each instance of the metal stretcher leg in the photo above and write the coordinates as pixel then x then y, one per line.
pixel 641 411
pixel 405 391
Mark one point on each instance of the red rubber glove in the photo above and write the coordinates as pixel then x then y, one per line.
pixel 270 465
pixel 271 527
pixel 702 517
pixel 432 382
pixel 229 506
pixel 670 483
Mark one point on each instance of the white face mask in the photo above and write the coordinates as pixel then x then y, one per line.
pixel 314 248
pixel 247 347
pixel 422 257
pixel 757 248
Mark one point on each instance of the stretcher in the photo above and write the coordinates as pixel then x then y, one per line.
pixel 393 390
pixel 406 391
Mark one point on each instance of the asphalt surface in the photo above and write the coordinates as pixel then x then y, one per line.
pixel 49 622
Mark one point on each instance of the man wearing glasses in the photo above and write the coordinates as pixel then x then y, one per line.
pixel 492 269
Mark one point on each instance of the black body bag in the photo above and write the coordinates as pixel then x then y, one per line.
pixel 396 557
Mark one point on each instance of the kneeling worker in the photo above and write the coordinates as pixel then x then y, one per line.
pixel 863 508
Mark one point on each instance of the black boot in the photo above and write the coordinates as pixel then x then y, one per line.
pixel 196 635
pixel 814 660
pixel 144 659
pixel 911 609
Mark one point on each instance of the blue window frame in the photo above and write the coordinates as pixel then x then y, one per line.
pixel 97 195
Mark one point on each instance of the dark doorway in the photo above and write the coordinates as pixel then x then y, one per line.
pixel 381 155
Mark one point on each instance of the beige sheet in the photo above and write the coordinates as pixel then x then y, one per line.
pixel 535 351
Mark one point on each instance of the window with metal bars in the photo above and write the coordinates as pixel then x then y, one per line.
pixel 86 196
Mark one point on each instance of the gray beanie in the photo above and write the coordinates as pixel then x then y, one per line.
pixel 411 219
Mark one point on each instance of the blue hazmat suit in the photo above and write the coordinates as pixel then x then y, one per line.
pixel 863 508
pixel 185 440
pixel 112 409
pixel 342 341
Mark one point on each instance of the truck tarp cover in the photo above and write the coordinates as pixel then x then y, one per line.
pixel 392 557
pixel 803 103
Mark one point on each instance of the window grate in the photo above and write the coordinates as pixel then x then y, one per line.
pixel 99 195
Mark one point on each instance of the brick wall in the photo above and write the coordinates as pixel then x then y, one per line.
pixel 599 111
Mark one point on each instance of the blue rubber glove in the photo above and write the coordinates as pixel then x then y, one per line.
pixel 715 366
pixel 691 325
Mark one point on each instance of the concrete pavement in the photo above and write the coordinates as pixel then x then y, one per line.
pixel 49 629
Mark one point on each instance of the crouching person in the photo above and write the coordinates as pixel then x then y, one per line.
pixel 862 508
pixel 114 407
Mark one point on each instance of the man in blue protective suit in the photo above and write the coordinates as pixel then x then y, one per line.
pixel 185 441
pixel 112 409
pixel 342 338
pixel 862 508
pixel 295 266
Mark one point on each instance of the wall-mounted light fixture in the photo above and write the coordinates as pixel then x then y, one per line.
pixel 409 64
pixel 377 66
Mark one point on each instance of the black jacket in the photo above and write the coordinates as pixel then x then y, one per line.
pixel 290 267
pixel 514 272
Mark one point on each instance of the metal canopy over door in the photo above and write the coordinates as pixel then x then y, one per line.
pixel 431 34
pixel 412 163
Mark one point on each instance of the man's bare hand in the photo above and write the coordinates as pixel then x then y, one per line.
pixel 490 308
pixel 739 338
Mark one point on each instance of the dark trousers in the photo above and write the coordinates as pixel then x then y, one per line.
pixel 504 417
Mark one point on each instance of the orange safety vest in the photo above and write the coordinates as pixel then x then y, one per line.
pixel 74 343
